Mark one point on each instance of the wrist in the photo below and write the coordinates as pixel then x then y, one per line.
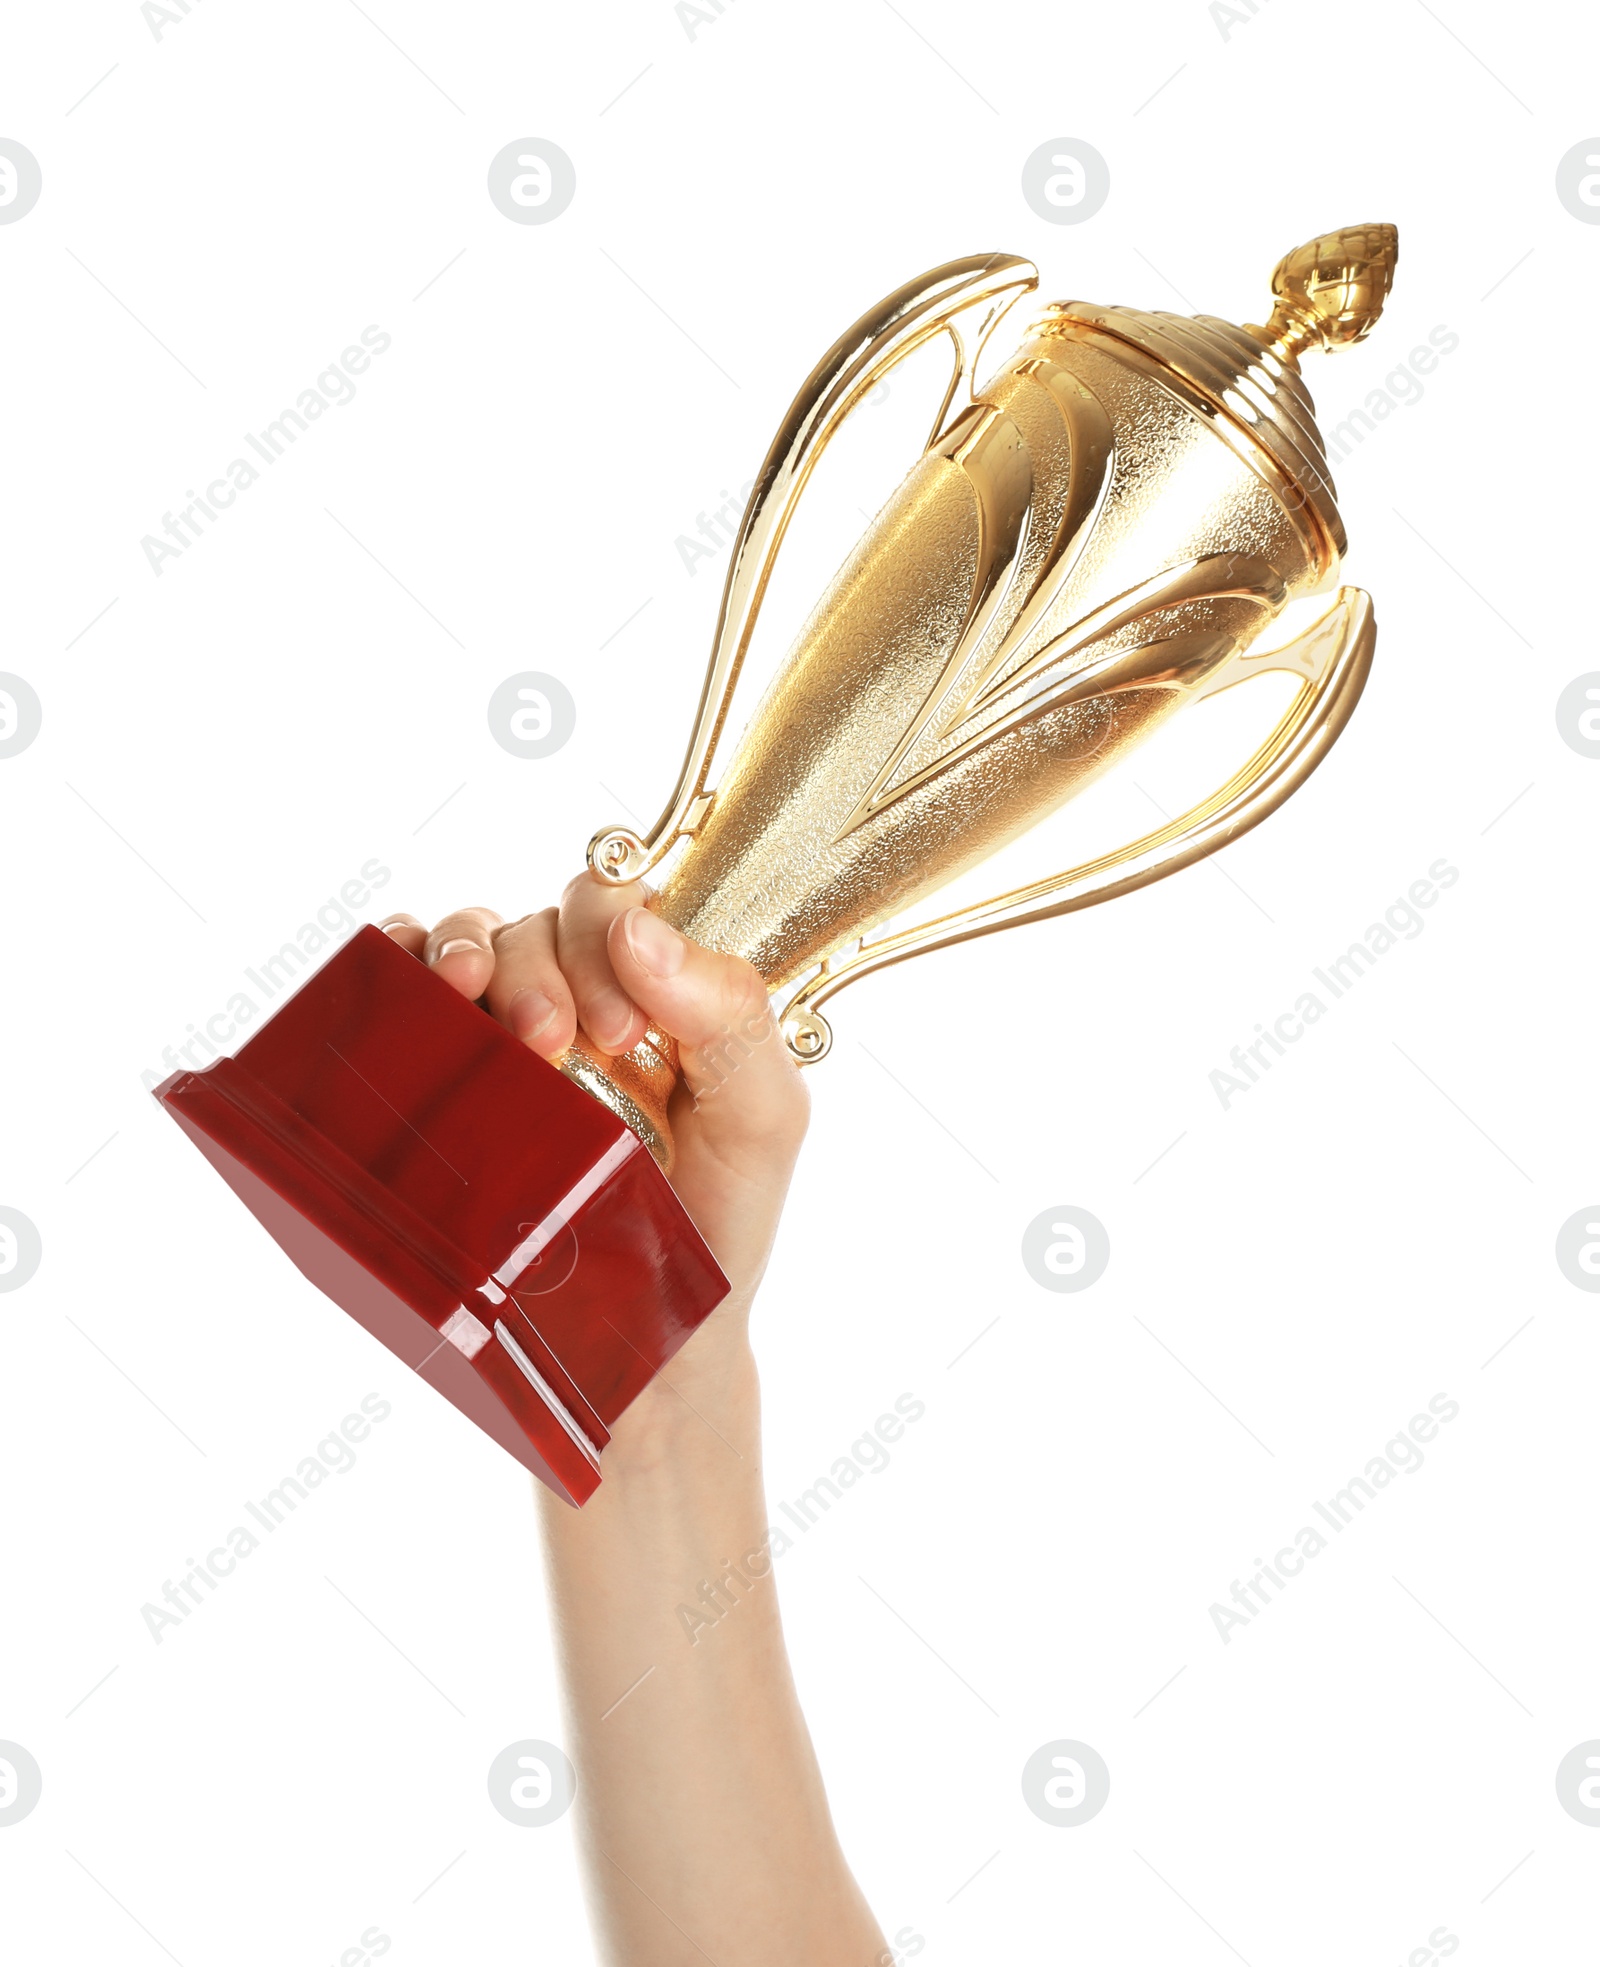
pixel 703 1404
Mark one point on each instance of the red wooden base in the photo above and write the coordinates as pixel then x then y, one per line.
pixel 500 1231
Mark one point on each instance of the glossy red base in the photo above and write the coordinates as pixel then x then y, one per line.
pixel 500 1231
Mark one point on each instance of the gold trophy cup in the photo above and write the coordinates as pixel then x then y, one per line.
pixel 1102 532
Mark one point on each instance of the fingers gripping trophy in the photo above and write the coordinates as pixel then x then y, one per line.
pixel 1107 528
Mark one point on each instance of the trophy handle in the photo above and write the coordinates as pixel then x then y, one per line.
pixel 964 299
pixel 1332 659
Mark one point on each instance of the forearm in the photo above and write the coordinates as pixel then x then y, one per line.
pixel 705 1830
pixel 701 1811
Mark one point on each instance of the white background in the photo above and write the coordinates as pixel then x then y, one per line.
pixel 1291 1279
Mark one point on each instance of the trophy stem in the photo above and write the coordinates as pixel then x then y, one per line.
pixel 636 1086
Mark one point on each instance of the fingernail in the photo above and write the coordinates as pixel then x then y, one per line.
pixel 394 922
pixel 609 1015
pixel 656 945
pixel 530 1011
pixel 460 946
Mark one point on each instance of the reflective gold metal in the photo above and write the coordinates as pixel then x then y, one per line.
pixel 1105 530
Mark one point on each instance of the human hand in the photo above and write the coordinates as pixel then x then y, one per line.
pixel 603 962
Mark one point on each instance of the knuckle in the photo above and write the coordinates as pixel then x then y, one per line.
pixel 525 955
pixel 525 936
pixel 473 924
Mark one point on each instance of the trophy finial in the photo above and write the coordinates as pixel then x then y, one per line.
pixel 1331 290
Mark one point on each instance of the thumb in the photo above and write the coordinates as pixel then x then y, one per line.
pixel 734 1061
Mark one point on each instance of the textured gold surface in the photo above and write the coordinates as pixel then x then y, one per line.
pixel 637 1085
pixel 1096 536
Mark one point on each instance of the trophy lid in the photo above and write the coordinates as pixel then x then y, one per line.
pixel 1327 294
